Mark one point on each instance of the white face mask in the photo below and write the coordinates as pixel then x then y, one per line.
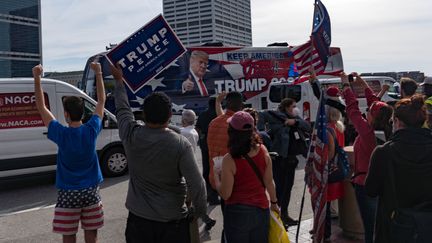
pixel 296 111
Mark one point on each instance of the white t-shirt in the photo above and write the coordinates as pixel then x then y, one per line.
pixel 191 134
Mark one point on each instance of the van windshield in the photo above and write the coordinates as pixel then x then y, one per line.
pixel 279 92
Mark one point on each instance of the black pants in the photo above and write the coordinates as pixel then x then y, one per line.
pixel 143 230
pixel 211 193
pixel 328 222
pixel 283 175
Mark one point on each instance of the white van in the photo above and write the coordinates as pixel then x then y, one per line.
pixel 307 103
pixel 24 146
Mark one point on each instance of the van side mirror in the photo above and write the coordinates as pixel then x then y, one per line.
pixel 108 122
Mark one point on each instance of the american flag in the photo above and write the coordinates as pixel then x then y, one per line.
pixel 317 171
pixel 316 51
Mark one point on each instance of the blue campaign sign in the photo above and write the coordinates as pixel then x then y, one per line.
pixel 146 53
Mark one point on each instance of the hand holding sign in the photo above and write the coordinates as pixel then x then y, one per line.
pixel 117 73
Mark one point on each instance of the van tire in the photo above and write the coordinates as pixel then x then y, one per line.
pixel 114 162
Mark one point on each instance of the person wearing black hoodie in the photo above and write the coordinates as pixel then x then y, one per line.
pixel 409 151
pixel 201 126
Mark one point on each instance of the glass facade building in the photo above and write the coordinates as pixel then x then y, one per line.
pixel 20 37
pixel 199 21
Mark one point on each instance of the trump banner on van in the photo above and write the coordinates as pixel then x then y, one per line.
pixel 18 110
pixel 205 71
pixel 146 53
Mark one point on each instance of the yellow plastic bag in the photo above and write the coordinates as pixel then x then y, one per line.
pixel 277 232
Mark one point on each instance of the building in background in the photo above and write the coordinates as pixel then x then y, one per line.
pixel 20 37
pixel 201 21
pixel 72 77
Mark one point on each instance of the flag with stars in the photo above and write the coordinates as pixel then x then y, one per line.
pixel 315 52
pixel 316 171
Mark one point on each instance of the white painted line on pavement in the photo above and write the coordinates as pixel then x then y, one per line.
pixel 27 210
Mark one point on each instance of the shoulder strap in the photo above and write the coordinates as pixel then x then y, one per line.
pixel 333 133
pixel 254 168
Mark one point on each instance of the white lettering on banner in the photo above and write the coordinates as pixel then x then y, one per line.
pixel 143 49
pixel 16 100
pixel 240 85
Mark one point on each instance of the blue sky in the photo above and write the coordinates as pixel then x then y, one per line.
pixel 374 35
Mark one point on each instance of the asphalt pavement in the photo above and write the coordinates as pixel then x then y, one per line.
pixel 27 209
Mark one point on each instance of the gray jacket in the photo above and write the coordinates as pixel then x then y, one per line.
pixel 278 131
pixel 162 168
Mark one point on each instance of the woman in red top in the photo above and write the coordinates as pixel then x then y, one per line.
pixel 377 119
pixel 246 217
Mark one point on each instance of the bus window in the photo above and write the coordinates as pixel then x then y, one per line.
pixel 279 92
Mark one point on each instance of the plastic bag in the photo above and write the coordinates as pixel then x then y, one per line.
pixel 277 232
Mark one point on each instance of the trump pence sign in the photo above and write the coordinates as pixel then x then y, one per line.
pixel 146 53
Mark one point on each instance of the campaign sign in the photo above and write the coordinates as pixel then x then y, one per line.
pixel 146 53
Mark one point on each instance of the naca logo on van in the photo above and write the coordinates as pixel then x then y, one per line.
pixel 17 100
pixel 18 110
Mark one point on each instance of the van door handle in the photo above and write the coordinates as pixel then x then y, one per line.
pixel 45 133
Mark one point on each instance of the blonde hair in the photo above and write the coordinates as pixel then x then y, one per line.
pixel 335 116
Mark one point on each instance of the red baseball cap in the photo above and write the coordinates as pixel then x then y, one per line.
pixel 241 121
pixel 376 107
pixel 332 91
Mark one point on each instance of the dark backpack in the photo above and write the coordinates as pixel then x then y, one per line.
pixel 409 225
pixel 338 167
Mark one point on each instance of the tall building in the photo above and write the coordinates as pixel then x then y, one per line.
pixel 200 21
pixel 20 37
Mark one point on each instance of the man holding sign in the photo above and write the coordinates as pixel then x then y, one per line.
pixel 162 170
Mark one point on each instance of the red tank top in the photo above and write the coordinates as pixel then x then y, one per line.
pixel 247 188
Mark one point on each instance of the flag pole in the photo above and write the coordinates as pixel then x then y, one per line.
pixel 304 187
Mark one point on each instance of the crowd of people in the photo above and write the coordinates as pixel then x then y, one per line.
pixel 249 159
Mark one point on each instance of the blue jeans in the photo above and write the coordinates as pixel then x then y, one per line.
pixel 246 224
pixel 368 207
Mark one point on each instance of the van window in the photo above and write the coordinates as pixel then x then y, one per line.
pixel 18 110
pixel 279 92
pixel 89 109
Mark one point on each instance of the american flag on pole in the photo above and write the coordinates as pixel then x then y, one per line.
pixel 315 52
pixel 317 171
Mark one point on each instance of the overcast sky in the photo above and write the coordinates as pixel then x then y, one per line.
pixel 374 35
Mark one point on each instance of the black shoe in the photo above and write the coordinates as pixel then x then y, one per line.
pixel 289 221
pixel 209 224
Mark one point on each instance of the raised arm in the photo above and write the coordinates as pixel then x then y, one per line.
pixel 218 103
pixel 369 94
pixel 316 86
pixel 46 115
pixel 125 117
pixel 352 109
pixel 100 89
pixel 384 89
